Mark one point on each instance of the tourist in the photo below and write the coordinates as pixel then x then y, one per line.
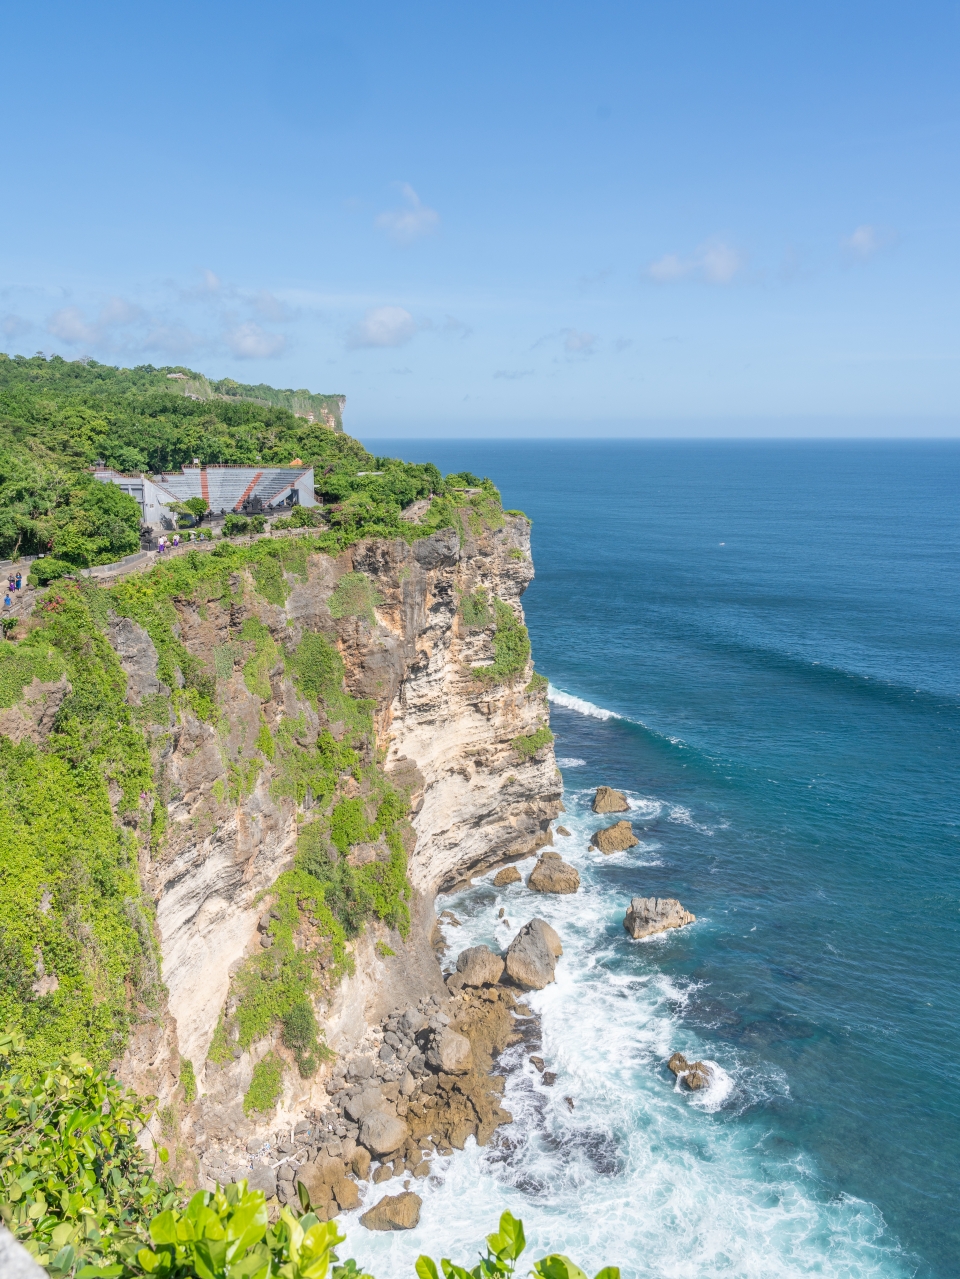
pixel 161 545
pixel 19 581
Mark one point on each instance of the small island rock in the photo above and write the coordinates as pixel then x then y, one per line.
pixel 553 875
pixel 695 1074
pixel 531 958
pixel 648 915
pixel 479 966
pixel 394 1212
pixel 608 800
pixel 509 875
pixel 562 830
pixel 615 838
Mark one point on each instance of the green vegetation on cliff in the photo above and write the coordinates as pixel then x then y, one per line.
pixel 57 417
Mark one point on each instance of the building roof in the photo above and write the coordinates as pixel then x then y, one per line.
pixel 225 488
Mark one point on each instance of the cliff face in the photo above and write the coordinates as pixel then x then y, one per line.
pixel 441 734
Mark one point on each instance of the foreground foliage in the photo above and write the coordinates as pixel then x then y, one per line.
pixel 77 1190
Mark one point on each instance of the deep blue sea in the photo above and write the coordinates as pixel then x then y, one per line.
pixel 760 644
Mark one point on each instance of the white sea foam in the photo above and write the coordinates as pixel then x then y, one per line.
pixel 660 1181
pixel 573 703
pixel 569 761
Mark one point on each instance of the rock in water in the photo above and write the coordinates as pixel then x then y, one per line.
pixel 608 800
pixel 509 875
pixel 479 966
pixel 381 1132
pixel 552 875
pixel 562 830
pixel 394 1212
pixel 614 839
pixel 647 915
pixel 532 955
pixel 695 1074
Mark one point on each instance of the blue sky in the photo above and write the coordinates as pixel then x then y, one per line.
pixel 525 218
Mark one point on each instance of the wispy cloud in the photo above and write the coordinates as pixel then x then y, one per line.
pixel 865 241
pixel 511 375
pixel 383 326
pixel 452 325
pixel 69 324
pixel 575 343
pixel 250 342
pixel 12 326
pixel 714 262
pixel 411 222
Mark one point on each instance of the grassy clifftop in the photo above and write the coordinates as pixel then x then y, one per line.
pixel 58 416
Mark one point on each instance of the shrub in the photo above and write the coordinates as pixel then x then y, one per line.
pixel 537 683
pixel 265 1085
pixel 475 609
pixel 47 570
pixel 74 1182
pixel 533 742
pixel 511 647
pixel 354 596
pixel 188 1080
pixel 235 525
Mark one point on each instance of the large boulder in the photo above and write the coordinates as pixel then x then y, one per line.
pixel 509 875
pixel 648 915
pixel 381 1132
pixel 553 875
pixel 608 800
pixel 370 1099
pixel 453 1053
pixel 311 1178
pixel 532 955
pixel 479 966
pixel 615 838
pixel 394 1212
pixel 262 1177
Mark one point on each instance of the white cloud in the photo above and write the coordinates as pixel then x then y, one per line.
pixel 575 343
pixel 865 241
pixel 250 342
pixel 714 262
pixel 408 224
pixel 70 325
pixel 13 325
pixel 383 326
pixel 271 307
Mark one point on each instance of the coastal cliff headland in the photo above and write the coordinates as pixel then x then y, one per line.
pixel 235 778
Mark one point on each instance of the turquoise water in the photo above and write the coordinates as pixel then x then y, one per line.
pixel 759 643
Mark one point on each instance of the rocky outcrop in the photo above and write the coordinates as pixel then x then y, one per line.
pixel 616 838
pixel 648 915
pixel 608 800
pixel 531 958
pixel 695 1074
pixel 553 875
pixel 394 1212
pixel 509 875
pixel 479 966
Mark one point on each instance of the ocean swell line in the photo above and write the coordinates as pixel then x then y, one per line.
pixel 579 704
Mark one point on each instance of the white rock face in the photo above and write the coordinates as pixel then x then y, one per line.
pixel 648 915
pixel 447 737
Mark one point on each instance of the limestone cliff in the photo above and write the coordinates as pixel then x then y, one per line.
pixel 442 734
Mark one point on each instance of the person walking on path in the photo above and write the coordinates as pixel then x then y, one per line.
pixel 161 545
pixel 19 581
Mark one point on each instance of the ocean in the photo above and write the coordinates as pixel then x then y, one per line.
pixel 759 643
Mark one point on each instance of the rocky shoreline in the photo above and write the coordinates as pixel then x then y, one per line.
pixel 422 1080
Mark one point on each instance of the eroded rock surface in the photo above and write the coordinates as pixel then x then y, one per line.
pixel 479 966
pixel 615 838
pixel 648 915
pixel 394 1212
pixel 553 875
pixel 608 800
pixel 531 957
pixel 509 875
